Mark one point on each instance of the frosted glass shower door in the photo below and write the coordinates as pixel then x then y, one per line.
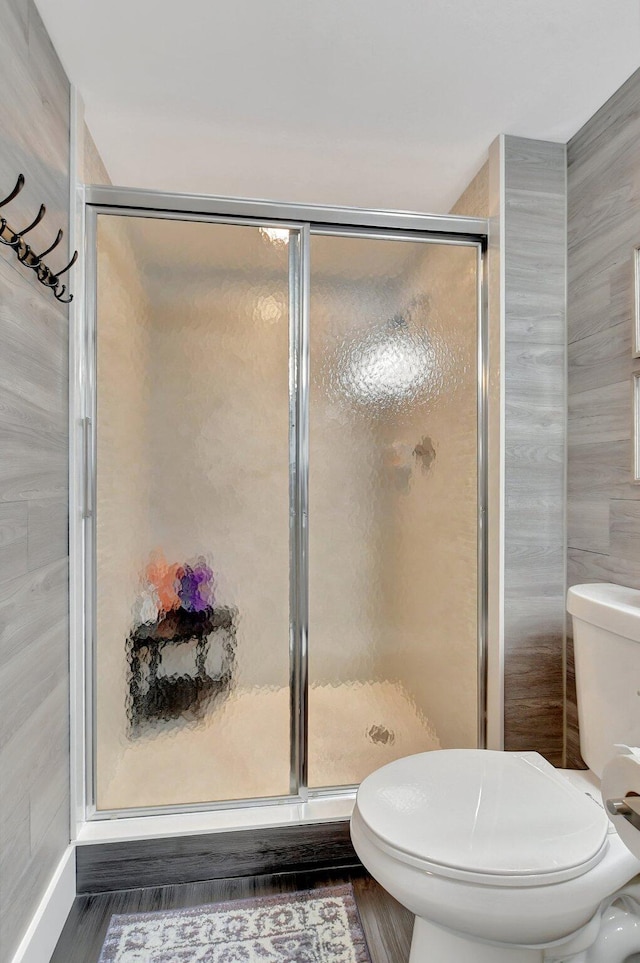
pixel 191 617
pixel 393 502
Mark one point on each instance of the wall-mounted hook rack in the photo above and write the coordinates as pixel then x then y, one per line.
pixel 28 257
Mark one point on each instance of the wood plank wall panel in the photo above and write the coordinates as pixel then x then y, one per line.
pixel 534 225
pixel 603 227
pixel 34 679
pixel 186 859
pixel 524 185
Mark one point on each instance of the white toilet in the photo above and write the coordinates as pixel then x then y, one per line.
pixel 503 858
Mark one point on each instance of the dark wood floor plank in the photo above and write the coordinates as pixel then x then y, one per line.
pixel 387 925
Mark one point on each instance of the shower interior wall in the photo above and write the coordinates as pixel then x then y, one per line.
pixel 429 527
pixel 218 426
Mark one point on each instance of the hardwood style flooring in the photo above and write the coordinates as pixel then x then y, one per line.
pixel 387 925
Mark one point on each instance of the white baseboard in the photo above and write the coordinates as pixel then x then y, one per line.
pixel 39 942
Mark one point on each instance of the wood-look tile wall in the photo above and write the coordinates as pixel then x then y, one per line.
pixel 34 678
pixel 103 867
pixel 522 189
pixel 603 227
pixel 534 236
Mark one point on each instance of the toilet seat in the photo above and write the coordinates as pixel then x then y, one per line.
pixel 498 818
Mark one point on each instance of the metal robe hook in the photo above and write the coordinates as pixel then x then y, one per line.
pixel 58 296
pixel 16 190
pixel 3 227
pixel 27 256
pixel 46 277
pixel 34 264
pixel 24 254
pixel 16 239
pixel 69 265
pixel 59 237
pixel 41 213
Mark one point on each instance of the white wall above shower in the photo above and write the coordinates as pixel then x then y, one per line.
pixel 342 102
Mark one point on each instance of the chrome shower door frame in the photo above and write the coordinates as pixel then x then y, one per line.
pixel 302 221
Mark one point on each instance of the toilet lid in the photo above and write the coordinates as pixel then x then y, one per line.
pixel 481 812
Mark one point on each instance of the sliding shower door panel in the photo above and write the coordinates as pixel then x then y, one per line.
pixel 285 580
pixel 393 579
pixel 192 624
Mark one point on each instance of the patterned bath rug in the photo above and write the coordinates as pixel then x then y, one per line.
pixel 314 926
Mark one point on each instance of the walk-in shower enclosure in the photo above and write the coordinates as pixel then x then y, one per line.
pixel 284 447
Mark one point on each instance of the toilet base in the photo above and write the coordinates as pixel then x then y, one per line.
pixel 617 941
pixel 431 944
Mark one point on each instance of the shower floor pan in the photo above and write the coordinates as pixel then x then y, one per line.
pixel 240 749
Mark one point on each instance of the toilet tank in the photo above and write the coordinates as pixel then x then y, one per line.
pixel 606 638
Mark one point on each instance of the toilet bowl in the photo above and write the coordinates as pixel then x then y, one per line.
pixel 495 847
pixel 501 857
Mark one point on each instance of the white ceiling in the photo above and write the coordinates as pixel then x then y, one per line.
pixel 375 103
